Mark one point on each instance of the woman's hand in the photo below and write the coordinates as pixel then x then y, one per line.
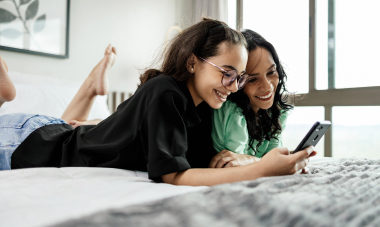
pixel 76 123
pixel 227 158
pixel 280 162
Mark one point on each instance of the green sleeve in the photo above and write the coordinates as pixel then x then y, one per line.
pixel 230 129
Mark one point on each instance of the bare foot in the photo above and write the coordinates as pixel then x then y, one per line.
pixel 98 75
pixel 7 89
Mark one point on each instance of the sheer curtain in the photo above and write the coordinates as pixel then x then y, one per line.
pixel 189 12
pixel 215 9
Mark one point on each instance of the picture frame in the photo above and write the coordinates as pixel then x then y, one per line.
pixel 39 27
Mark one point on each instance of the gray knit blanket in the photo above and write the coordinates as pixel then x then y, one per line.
pixel 336 192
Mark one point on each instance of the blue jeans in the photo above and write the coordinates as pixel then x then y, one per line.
pixel 14 128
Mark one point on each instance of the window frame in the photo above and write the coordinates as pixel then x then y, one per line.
pixel 331 96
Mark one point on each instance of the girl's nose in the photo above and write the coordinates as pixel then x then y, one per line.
pixel 267 85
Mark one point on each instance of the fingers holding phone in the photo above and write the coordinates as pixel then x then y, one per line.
pixel 301 158
pixel 279 161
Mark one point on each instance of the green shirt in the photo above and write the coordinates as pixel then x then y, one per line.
pixel 230 132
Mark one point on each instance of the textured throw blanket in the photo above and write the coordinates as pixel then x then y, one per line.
pixel 337 192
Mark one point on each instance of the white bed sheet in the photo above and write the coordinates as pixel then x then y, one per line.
pixel 44 196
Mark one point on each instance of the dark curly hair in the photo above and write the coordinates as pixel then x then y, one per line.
pixel 265 124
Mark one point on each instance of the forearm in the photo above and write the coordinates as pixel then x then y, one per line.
pixel 214 176
pixel 277 162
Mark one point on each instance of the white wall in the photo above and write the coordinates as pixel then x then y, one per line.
pixel 136 28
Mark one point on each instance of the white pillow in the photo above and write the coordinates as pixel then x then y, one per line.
pixel 47 96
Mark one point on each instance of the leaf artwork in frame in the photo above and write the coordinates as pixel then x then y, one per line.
pixel 35 26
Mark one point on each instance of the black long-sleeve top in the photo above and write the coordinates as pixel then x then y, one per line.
pixel 158 130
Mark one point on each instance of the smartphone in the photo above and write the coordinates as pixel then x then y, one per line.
pixel 313 135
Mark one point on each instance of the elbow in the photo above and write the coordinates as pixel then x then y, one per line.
pixel 170 178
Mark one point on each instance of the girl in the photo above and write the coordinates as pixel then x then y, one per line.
pixel 254 117
pixel 164 128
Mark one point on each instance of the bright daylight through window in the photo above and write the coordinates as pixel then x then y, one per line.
pixel 346 49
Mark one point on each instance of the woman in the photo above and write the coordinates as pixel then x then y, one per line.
pixel 164 128
pixel 251 121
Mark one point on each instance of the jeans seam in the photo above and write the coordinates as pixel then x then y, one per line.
pixel 10 145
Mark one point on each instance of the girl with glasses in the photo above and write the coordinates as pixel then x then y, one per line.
pixel 164 128
pixel 254 117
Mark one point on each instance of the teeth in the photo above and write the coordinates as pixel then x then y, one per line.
pixel 265 97
pixel 268 95
pixel 224 96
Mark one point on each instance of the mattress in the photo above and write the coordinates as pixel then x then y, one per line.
pixel 336 192
pixel 44 196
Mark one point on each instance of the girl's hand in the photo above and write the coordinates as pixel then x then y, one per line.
pixel 306 170
pixel 279 162
pixel 227 158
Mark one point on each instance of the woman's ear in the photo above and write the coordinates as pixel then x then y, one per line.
pixel 191 63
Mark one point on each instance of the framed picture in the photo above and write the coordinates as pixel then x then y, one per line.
pixel 35 26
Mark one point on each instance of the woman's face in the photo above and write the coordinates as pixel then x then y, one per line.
pixel 263 79
pixel 206 84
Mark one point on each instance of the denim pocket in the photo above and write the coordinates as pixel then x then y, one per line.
pixel 15 121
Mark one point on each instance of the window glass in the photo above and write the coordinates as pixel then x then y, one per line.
pixel 357 43
pixel 299 121
pixel 285 24
pixel 356 132
pixel 321 39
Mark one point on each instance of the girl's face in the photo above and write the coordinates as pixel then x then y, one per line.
pixel 263 79
pixel 206 84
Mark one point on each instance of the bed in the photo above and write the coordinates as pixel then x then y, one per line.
pixel 336 192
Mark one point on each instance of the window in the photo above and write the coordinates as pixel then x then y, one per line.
pixel 231 13
pixel 352 43
pixel 328 48
pixel 321 44
pixel 356 132
pixel 356 43
pixel 288 32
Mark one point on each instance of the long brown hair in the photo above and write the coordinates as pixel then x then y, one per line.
pixel 202 40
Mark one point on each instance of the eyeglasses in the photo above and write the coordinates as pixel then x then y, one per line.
pixel 229 76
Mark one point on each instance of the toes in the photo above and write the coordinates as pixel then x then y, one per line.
pixel 108 50
pixel 114 50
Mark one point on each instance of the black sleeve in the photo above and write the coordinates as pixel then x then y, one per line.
pixel 166 135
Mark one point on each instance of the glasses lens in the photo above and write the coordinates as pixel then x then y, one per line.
pixel 242 81
pixel 229 77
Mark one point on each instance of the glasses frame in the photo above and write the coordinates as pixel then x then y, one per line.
pixel 227 80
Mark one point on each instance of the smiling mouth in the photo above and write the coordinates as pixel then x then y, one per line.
pixel 221 96
pixel 265 97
